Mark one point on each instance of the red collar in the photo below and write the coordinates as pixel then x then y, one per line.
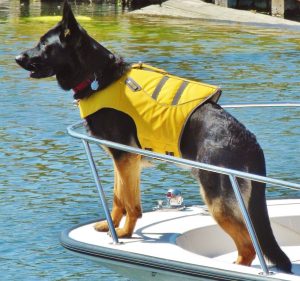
pixel 82 85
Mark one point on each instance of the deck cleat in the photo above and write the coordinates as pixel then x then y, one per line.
pixel 174 201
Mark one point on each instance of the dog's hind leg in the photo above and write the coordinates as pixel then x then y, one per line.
pixel 126 195
pixel 239 233
pixel 225 210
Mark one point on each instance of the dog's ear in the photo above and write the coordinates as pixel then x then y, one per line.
pixel 70 27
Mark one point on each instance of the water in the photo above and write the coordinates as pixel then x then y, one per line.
pixel 45 183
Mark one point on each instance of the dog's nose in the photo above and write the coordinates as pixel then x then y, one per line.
pixel 20 59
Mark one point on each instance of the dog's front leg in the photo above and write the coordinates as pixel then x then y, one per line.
pixel 126 194
pixel 128 191
pixel 118 209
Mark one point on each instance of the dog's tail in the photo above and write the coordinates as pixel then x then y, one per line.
pixel 261 222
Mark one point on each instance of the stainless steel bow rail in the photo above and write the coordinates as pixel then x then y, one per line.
pixel 232 174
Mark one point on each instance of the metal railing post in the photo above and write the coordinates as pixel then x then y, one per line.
pixel 249 224
pixel 100 191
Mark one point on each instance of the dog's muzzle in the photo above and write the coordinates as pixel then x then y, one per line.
pixel 37 69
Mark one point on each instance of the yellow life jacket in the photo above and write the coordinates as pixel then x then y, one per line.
pixel 159 103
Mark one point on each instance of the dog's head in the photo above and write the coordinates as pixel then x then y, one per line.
pixel 68 52
pixel 52 54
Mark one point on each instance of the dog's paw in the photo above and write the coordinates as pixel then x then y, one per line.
pixel 122 233
pixel 101 226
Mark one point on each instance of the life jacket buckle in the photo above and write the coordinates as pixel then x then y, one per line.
pixel 135 87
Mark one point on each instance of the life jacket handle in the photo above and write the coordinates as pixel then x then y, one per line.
pixel 148 67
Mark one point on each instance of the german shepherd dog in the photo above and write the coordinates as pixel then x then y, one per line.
pixel 211 135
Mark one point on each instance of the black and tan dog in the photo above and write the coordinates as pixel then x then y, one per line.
pixel 211 135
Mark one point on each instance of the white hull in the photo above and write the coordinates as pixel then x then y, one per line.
pixel 186 245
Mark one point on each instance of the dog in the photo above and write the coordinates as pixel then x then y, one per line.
pixel 211 135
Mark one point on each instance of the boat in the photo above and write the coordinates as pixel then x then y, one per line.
pixel 177 242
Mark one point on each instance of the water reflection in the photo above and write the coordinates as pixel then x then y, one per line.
pixel 12 10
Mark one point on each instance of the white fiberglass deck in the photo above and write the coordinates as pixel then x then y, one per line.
pixel 192 237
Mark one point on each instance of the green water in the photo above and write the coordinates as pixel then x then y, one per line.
pixel 45 184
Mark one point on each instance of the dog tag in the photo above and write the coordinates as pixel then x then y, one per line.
pixel 95 85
